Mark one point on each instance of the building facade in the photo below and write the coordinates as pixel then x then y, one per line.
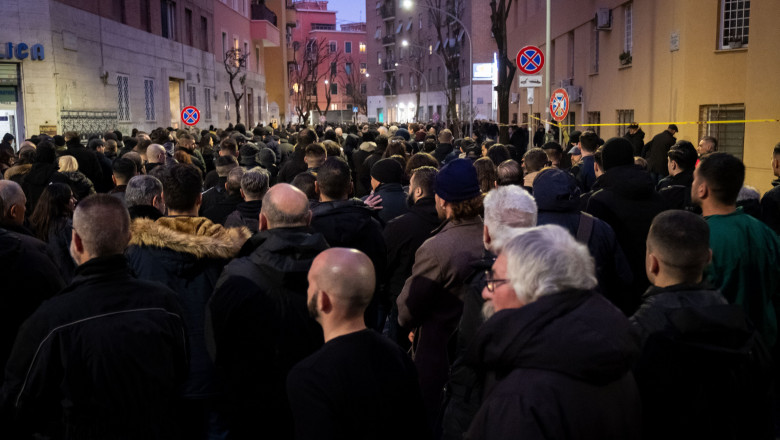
pixel 126 64
pixel 407 60
pixel 328 65
pixel 698 64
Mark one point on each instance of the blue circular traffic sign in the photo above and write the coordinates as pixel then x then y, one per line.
pixel 190 115
pixel 530 60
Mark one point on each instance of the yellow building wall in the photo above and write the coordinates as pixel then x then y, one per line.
pixel 276 61
pixel 661 85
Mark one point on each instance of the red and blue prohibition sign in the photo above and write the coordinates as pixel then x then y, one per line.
pixel 530 60
pixel 559 104
pixel 190 115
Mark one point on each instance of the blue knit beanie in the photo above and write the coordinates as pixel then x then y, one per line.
pixel 457 181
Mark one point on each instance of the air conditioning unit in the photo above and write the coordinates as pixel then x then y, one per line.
pixel 604 19
pixel 574 92
pixel 567 82
pixel 515 98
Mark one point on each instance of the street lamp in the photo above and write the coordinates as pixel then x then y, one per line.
pixel 408 4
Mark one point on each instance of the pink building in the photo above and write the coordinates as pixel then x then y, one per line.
pixel 337 86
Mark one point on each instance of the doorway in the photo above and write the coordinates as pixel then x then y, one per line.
pixel 176 98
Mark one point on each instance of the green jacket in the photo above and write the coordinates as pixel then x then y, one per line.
pixel 746 267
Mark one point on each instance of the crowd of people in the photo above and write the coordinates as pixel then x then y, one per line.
pixel 383 281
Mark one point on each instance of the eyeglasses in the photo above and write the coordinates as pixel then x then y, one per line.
pixel 491 283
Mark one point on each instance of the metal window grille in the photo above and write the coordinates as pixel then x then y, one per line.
pixel 734 23
pixel 594 118
pixel 149 99
pixel 227 106
pixel 624 117
pixel 88 122
pixel 123 99
pixel 628 43
pixel 731 137
pixel 207 103
pixel 260 108
pixel 347 47
pixel 594 49
pixel 192 96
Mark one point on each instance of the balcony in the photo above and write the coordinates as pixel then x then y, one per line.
pixel 389 91
pixel 388 11
pixel 388 66
pixel 388 40
pixel 261 12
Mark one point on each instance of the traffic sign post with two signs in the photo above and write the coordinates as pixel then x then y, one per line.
pixel 190 115
pixel 530 60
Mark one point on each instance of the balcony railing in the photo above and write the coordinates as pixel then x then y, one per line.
pixel 389 91
pixel 388 66
pixel 388 10
pixel 388 40
pixel 261 12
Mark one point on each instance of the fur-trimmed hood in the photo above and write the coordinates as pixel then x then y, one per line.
pixel 191 235
pixel 17 170
pixel 368 147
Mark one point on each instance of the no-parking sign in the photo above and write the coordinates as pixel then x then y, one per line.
pixel 190 115
pixel 559 104
pixel 530 60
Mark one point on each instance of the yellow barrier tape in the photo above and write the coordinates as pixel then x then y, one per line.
pixel 736 121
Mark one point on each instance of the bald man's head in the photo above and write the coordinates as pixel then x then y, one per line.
pixel 346 276
pixel 155 153
pixel 285 206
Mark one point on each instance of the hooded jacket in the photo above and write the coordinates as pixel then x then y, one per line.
pixel 557 201
pixel 656 155
pixel 352 224
pixel 627 201
pixel 637 141
pixel 262 328
pixel 81 186
pixel 246 214
pixel 187 254
pixel 41 174
pixel 557 368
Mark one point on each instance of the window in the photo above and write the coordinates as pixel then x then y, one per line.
pixel 430 76
pixel 409 25
pixel 348 68
pixel 260 108
pixel 594 49
pixel 334 89
pixel 379 58
pixel 378 9
pixel 333 69
pixel 363 68
pixel 224 44
pixel 191 96
pixel 332 47
pixel 349 89
pixel 400 26
pixel 188 26
pixel 378 33
pixel 734 23
pixel 362 47
pixel 146 22
pixel 401 80
pixel 207 103
pixel 594 118
pixel 204 34
pixel 438 74
pixel 731 137
pixel 363 88
pixel 334 107
pixel 628 39
pixel 227 106
pixel 411 82
pixel 347 47
pixel 149 99
pixel 168 17
pixel 624 117
pixel 420 19
pixel 123 98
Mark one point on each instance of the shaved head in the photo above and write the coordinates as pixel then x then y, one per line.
pixel 348 276
pixel 285 206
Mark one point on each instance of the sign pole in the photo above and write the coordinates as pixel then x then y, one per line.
pixel 547 46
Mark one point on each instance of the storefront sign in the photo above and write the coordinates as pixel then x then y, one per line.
pixel 21 51
pixel 51 130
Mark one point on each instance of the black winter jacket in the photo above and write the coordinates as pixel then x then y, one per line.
pixel 393 201
pixel 103 359
pixel 557 368
pixel 37 179
pixel 770 207
pixel 87 159
pixel 637 141
pixel 293 166
pixel 246 214
pixel 656 154
pixel 187 254
pixel 29 276
pixel 627 201
pixel 262 327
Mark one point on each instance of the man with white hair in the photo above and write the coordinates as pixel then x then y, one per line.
pixel 15 202
pixel 559 354
pixel 509 210
pixel 144 197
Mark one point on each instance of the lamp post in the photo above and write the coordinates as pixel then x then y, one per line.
pixel 408 4
pixel 422 75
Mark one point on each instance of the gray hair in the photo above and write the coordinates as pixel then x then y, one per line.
pixel 545 260
pixel 103 224
pixel 142 189
pixel 279 218
pixel 234 179
pixel 509 210
pixel 11 194
pixel 254 183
